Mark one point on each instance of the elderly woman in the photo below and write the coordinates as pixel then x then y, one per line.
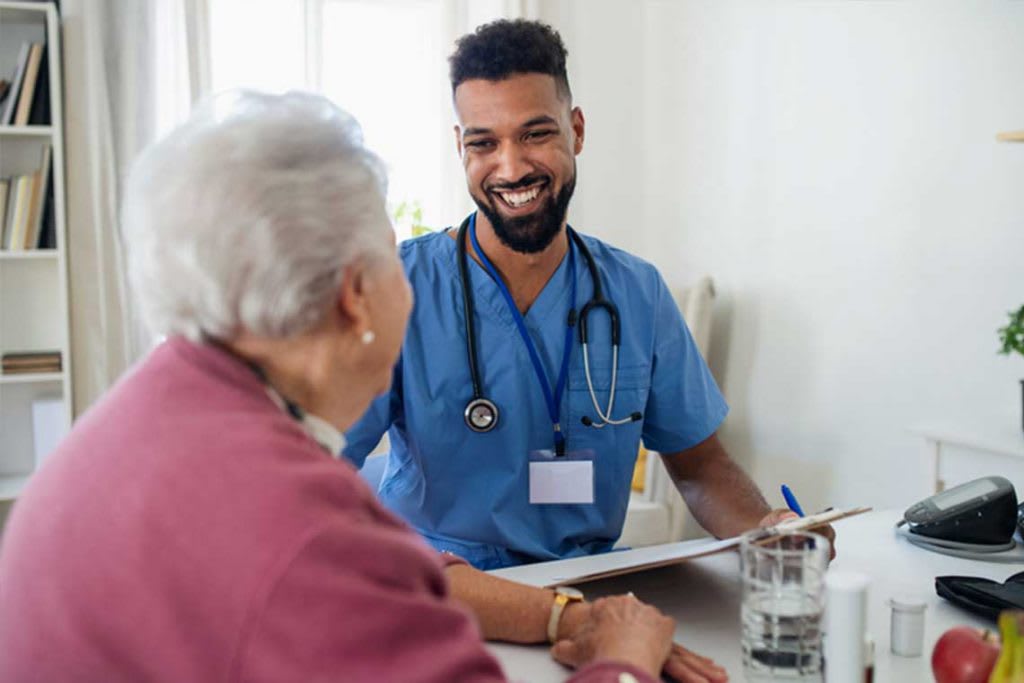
pixel 195 525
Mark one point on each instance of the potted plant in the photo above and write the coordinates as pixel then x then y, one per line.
pixel 1012 339
pixel 410 213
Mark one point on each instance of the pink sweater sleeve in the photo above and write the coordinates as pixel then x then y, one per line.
pixel 363 601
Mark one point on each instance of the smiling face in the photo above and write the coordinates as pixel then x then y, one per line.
pixel 518 139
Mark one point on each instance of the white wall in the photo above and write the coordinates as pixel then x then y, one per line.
pixel 832 164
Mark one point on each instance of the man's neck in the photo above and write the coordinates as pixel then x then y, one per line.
pixel 525 275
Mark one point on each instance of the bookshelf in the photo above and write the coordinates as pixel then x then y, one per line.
pixel 35 405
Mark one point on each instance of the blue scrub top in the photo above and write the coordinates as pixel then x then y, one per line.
pixel 468 492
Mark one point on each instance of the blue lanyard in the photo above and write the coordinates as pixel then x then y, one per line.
pixel 553 399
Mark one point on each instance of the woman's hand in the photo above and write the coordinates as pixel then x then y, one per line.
pixel 620 628
pixel 682 665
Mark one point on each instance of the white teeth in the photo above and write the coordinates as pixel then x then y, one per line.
pixel 517 199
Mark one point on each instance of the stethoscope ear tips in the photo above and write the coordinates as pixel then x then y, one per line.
pixel 587 422
pixel 636 417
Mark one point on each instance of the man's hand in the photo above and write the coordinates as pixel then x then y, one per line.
pixel 777 516
pixel 686 666
pixel 682 665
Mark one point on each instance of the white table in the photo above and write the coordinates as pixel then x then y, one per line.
pixel 1003 438
pixel 703 596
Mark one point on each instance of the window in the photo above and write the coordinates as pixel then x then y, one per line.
pixel 383 61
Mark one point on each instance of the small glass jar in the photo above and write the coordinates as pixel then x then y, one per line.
pixel 906 637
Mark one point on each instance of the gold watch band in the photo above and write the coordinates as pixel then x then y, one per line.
pixel 563 596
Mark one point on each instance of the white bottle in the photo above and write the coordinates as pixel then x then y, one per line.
pixel 906 625
pixel 845 625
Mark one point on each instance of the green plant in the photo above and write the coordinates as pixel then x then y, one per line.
pixel 1012 336
pixel 411 213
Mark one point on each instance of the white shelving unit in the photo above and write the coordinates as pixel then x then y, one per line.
pixel 33 284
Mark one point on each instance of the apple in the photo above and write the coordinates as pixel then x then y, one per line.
pixel 964 655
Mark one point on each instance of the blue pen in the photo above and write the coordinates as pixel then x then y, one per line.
pixel 791 501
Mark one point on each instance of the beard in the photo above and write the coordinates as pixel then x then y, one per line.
pixel 533 233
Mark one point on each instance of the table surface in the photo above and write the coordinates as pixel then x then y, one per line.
pixel 703 596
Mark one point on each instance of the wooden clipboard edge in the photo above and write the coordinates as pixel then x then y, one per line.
pixel 810 523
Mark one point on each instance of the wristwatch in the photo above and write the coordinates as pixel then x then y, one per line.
pixel 563 596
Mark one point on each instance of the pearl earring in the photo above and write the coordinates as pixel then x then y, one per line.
pixel 368 337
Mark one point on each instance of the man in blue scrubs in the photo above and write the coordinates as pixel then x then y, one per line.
pixel 496 497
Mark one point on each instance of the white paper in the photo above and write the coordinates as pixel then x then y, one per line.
pixel 593 567
pixel 564 572
pixel 563 481
pixel 49 426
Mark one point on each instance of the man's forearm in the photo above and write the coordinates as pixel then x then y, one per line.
pixel 507 610
pixel 721 496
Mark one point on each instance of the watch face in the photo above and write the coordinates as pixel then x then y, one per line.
pixel 569 592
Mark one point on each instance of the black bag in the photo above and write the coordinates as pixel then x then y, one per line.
pixel 983 597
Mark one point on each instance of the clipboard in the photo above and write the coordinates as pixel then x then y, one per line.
pixel 577 570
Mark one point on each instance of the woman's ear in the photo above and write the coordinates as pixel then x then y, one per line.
pixel 352 302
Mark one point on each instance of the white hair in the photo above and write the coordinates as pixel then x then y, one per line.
pixel 246 216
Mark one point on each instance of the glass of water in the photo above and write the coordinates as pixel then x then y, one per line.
pixel 783 601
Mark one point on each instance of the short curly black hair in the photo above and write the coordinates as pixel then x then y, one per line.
pixel 507 47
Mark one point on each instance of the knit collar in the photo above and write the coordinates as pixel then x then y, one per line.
pixel 318 429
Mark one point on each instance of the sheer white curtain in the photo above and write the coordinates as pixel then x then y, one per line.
pixel 132 70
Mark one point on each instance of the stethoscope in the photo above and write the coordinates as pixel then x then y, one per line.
pixel 481 414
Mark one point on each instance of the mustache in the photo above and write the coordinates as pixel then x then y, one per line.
pixel 525 181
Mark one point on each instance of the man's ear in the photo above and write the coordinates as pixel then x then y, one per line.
pixel 458 139
pixel 578 128
pixel 352 301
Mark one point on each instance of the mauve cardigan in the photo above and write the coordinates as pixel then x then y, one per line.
pixel 189 530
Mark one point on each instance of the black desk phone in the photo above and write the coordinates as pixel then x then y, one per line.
pixel 982 512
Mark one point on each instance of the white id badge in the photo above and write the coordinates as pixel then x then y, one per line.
pixel 563 479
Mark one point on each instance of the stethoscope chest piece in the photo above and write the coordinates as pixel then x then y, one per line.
pixel 481 415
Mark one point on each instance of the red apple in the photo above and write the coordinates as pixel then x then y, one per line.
pixel 964 655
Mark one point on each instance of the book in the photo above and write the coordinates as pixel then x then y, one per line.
pixel 29 356
pixel 5 187
pixel 34 198
pixel 54 362
pixel 8 217
pixel 41 363
pixel 31 362
pixel 5 87
pixel 19 74
pixel 15 213
pixel 41 370
pixel 28 84
pixel 16 238
pixel 40 110
pixel 48 234
pixel 40 185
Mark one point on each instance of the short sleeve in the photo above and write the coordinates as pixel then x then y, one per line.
pixel 684 406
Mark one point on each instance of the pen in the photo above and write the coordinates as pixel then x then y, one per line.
pixel 791 502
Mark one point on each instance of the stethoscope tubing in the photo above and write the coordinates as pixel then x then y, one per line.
pixel 597 300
